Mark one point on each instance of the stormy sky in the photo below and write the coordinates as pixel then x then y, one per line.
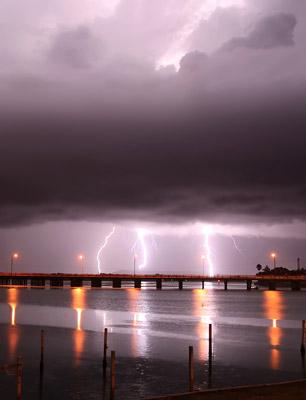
pixel 176 116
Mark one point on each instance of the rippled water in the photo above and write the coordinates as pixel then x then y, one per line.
pixel 257 338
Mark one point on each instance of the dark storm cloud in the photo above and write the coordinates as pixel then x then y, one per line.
pixel 76 48
pixel 269 31
pixel 193 61
pixel 196 164
pixel 91 132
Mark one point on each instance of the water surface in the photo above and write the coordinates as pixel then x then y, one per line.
pixel 257 337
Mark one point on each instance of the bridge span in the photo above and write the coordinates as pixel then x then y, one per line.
pixel 116 280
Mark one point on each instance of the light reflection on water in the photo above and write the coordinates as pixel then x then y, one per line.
pixel 78 303
pixel 273 307
pixel 12 301
pixel 202 309
pixel 152 325
pixel 13 338
pixel 139 318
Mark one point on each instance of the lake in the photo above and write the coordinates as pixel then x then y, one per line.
pixel 256 339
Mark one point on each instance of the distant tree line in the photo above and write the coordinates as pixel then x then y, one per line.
pixel 279 271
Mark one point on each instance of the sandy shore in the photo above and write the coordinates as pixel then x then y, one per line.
pixel 279 391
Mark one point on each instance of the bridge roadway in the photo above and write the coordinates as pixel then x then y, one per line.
pixel 77 280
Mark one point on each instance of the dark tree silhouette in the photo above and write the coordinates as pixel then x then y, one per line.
pixel 267 269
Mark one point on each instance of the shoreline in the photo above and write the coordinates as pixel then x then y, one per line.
pixel 280 391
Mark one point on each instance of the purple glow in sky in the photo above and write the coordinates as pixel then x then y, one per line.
pixel 146 115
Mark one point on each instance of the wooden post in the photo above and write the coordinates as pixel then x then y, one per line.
pixel 105 349
pixel 112 380
pixel 41 381
pixel 19 370
pixel 190 368
pixel 42 348
pixel 210 342
pixel 303 338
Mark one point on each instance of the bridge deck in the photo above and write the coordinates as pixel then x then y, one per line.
pixel 77 280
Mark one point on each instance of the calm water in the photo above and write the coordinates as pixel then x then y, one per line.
pixel 257 337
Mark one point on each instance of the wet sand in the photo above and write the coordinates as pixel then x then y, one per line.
pixel 279 391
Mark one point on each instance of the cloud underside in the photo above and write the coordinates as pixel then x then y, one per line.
pixel 89 132
pixel 183 165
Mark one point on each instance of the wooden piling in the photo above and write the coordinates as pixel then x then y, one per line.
pixel 105 349
pixel 190 368
pixel 19 371
pixel 303 337
pixel 42 349
pixel 112 380
pixel 210 343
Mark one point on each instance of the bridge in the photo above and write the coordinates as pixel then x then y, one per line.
pixel 97 281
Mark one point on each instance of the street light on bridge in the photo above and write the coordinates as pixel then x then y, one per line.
pixel 14 255
pixel 135 257
pixel 273 255
pixel 81 257
pixel 203 260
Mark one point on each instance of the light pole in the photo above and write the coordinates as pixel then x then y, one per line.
pixel 81 257
pixel 15 255
pixel 203 258
pixel 135 256
pixel 273 255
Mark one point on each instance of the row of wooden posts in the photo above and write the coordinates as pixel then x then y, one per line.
pixel 113 356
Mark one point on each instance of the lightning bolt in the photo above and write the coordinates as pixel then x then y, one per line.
pixel 235 245
pixel 141 233
pixel 208 251
pixel 103 246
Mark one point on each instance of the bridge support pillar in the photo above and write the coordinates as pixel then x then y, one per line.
pixel 95 282
pixel 137 283
pixel 56 282
pixel 272 285
pixel 180 284
pixel 295 285
pixel 158 284
pixel 20 282
pixel 249 284
pixel 203 284
pixel 117 283
pixel 76 282
pixel 225 285
pixel 37 282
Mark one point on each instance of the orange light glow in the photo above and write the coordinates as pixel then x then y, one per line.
pixel 13 307
pixel 13 334
pixel 81 257
pixel 12 301
pixel 203 257
pixel 13 338
pixel 79 312
pixel 15 255
pixel 79 337
pixel 78 303
pixel 133 308
pixel 200 301
pixel 275 359
pixel 12 296
pixel 273 255
pixel 78 298
pixel 133 299
pixel 273 306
